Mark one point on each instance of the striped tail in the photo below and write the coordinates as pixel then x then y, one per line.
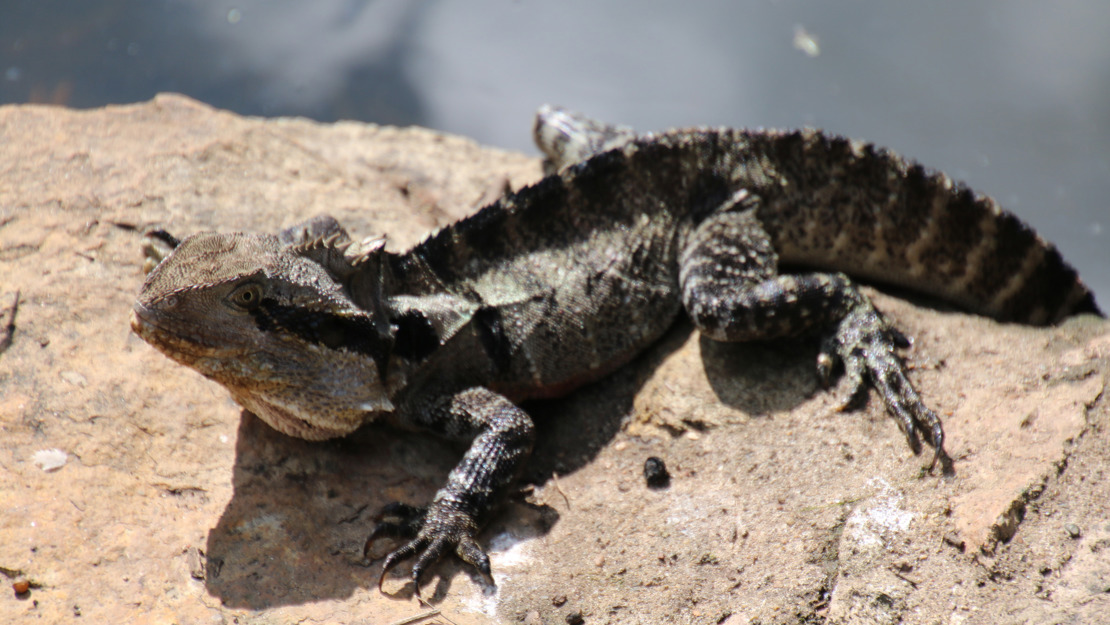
pixel 853 207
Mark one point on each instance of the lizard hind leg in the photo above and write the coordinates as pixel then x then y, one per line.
pixel 566 137
pixel 733 292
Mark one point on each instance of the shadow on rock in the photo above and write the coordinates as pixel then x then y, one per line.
pixel 300 513
pixel 294 529
pixel 761 377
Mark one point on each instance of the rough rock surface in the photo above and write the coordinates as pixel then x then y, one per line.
pixel 170 504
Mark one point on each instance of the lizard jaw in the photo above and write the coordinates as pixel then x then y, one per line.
pixel 288 421
pixel 185 350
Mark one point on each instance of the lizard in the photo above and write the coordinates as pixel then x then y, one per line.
pixel 751 233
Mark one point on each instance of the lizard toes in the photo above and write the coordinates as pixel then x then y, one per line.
pixel 866 343
pixel 469 552
pixel 432 553
pixel 854 394
pixel 402 514
pixel 399 555
pixel 395 520
pixel 913 416
pixel 907 422
pixel 899 338
pixel 439 529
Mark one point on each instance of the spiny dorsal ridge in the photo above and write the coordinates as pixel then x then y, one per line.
pixel 333 242
pixel 368 249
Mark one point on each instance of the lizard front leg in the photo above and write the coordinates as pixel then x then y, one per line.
pixel 732 291
pixel 502 436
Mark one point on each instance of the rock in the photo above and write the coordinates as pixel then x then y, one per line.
pixel 173 504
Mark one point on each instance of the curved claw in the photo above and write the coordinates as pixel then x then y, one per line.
pixel 856 387
pixel 433 551
pixel 469 552
pixel 865 342
pixel 827 360
pixel 399 555
pixel 914 417
pixel 899 338
pixel 434 531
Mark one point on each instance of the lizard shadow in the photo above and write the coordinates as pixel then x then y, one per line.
pixel 761 377
pixel 745 376
pixel 294 529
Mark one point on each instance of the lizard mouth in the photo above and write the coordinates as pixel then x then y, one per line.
pixel 183 348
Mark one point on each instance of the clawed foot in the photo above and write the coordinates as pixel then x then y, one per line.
pixel 157 245
pixel 433 532
pixel 864 343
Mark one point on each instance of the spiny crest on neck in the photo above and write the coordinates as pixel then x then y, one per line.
pixel 359 267
pixel 339 255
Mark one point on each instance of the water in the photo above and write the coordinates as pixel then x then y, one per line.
pixel 1010 96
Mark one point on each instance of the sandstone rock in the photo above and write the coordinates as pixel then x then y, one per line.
pixel 172 505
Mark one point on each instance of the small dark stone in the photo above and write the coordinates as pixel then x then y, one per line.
pixel 1073 530
pixel 575 618
pixel 558 600
pixel 655 473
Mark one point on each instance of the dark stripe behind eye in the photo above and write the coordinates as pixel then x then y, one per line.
pixel 355 334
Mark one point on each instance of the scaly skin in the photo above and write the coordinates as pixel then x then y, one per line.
pixel 564 281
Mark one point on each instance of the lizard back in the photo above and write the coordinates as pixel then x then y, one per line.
pixel 572 276
pixel 588 257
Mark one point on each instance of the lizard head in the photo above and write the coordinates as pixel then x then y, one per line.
pixel 274 326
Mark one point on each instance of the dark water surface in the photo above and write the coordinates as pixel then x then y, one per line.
pixel 1012 97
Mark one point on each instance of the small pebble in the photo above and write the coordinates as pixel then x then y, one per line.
pixel 655 473
pixel 575 618
pixel 49 459
pixel 1073 530
pixel 21 587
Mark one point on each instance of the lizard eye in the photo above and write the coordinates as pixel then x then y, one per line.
pixel 246 297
